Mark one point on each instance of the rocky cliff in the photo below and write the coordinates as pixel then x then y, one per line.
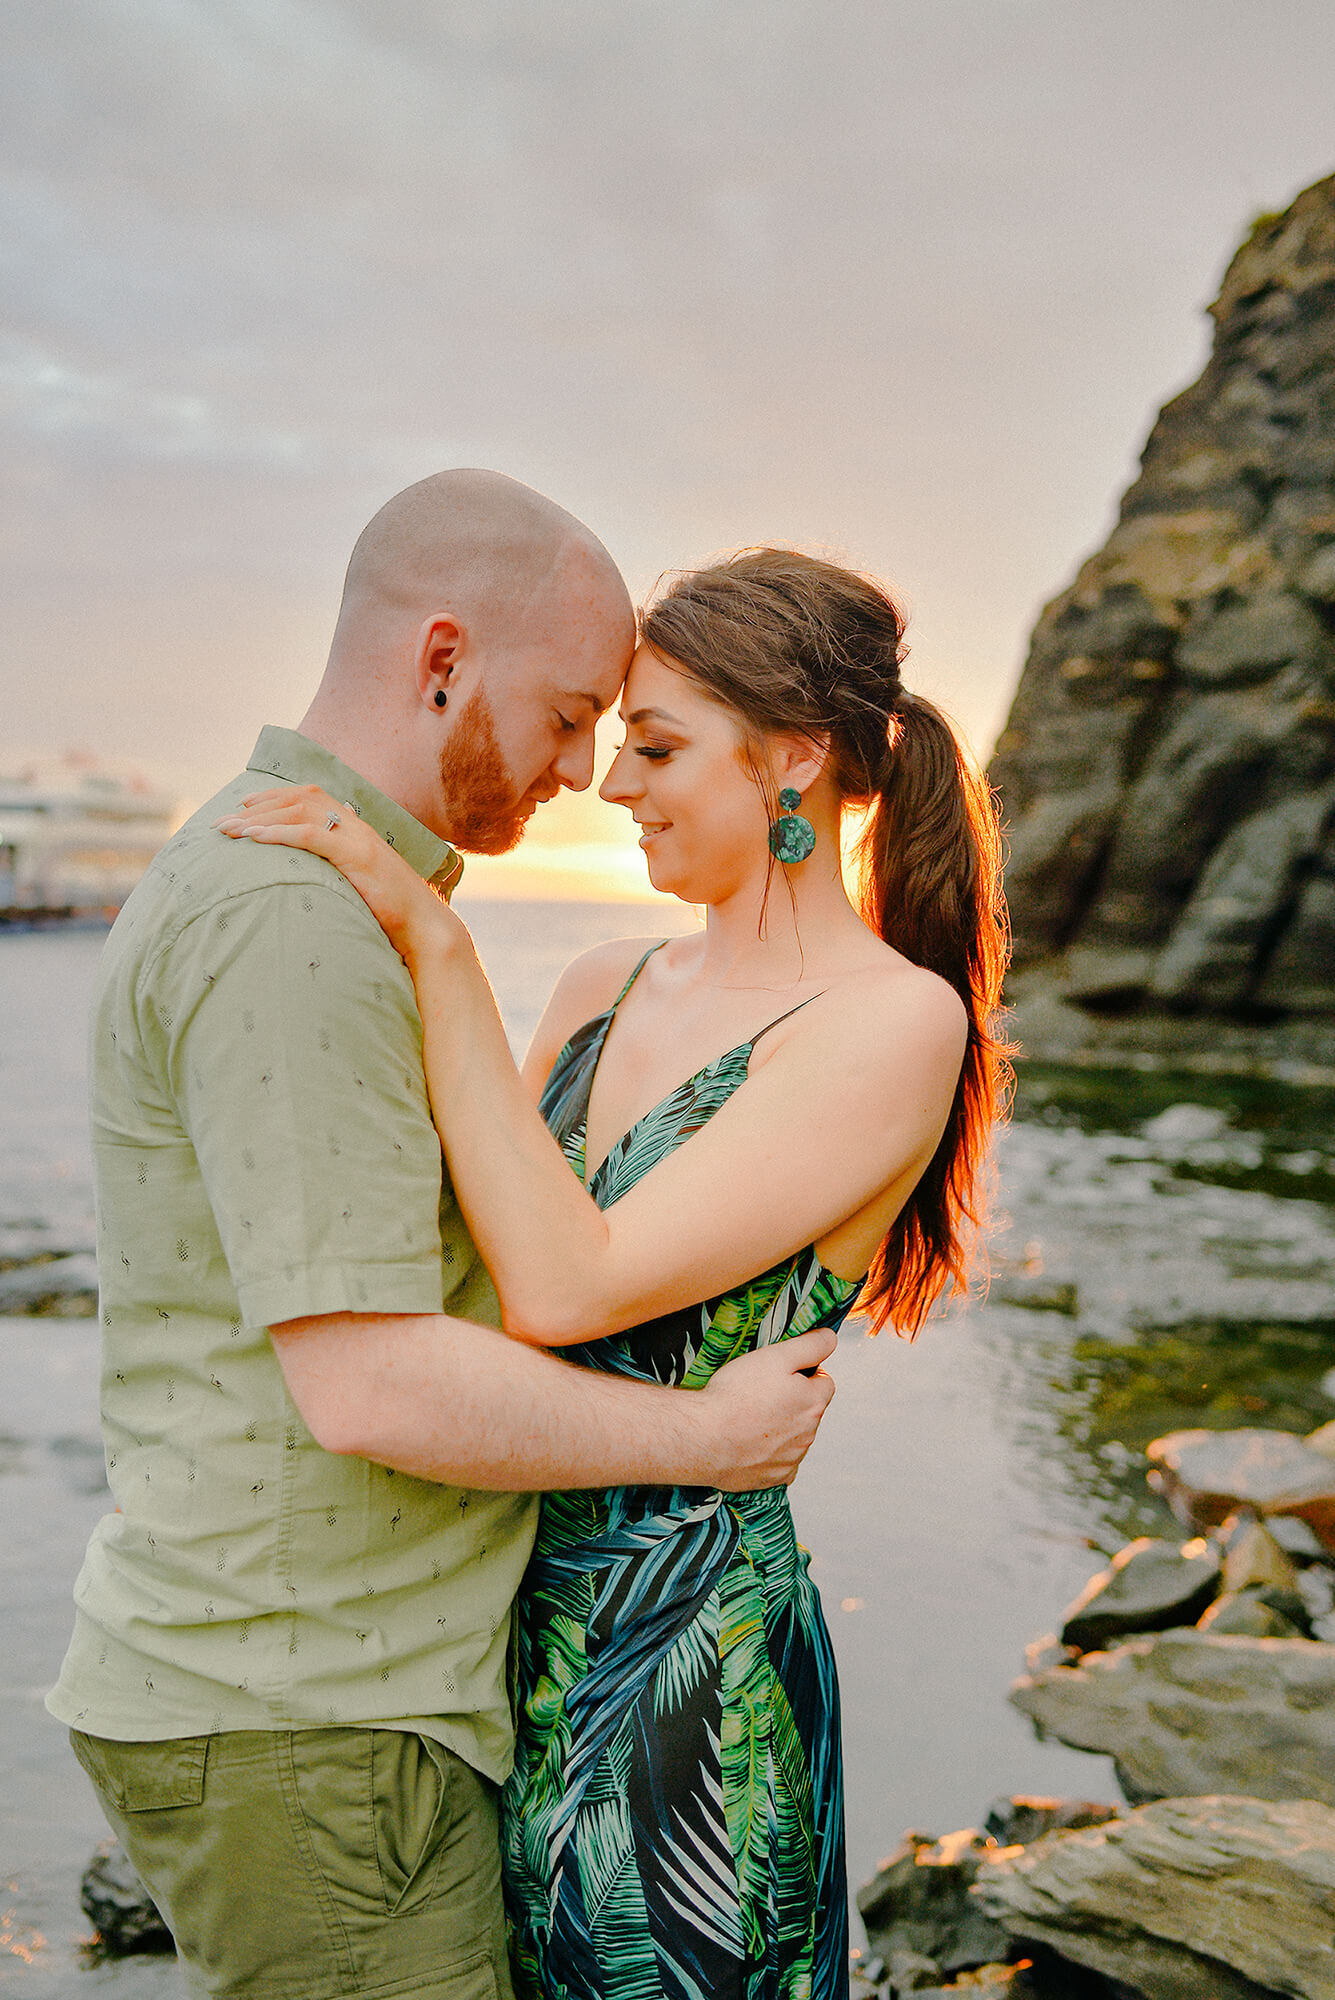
pixel 1168 766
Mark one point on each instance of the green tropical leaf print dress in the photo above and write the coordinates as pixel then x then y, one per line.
pixel 673 1829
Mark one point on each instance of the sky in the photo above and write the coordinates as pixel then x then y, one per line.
pixel 902 280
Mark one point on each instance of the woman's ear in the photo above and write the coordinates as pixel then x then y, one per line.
pixel 798 761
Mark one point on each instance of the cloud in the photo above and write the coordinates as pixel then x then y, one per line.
pixel 904 280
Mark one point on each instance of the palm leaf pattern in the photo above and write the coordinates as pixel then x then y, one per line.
pixel 673 1828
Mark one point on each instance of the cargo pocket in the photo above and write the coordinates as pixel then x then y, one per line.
pixel 409 1783
pixel 144 1777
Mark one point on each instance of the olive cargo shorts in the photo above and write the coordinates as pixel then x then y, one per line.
pixel 313 1864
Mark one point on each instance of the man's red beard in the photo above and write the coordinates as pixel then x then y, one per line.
pixel 481 808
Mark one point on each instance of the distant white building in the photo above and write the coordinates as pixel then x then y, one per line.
pixel 76 833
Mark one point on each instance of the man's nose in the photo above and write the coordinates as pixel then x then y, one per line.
pixel 573 765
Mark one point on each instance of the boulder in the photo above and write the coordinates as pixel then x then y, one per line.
pixel 1322 1440
pixel 1260 1614
pixel 1207 1475
pixel 982 1982
pixel 1016 1821
pixel 917 1907
pixel 1048 1652
pixel 1253 1558
pixel 1148 1586
pixel 116 1902
pixel 1192 1712
pixel 1213 1898
pixel 1295 1538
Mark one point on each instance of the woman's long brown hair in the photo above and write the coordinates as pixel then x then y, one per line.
pixel 797 645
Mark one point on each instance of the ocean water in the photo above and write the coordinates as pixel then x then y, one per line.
pixel 960 1491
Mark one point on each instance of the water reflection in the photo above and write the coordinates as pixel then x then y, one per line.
pixel 1196 1236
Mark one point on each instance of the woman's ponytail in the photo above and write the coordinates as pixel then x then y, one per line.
pixel 791 642
pixel 930 854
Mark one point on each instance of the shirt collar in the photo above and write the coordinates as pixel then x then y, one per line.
pixel 283 753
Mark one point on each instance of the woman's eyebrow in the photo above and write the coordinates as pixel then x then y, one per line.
pixel 655 715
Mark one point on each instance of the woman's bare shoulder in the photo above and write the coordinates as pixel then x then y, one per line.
pixel 596 977
pixel 884 1009
pixel 587 987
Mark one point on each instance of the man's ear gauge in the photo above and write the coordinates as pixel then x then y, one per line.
pixel 441 697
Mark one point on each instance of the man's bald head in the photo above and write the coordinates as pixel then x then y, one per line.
pixel 484 548
pixel 482 631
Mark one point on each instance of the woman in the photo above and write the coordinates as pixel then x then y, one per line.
pixel 674 1822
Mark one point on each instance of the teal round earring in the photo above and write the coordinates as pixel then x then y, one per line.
pixel 791 838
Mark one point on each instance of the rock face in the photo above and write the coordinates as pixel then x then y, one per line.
pixel 1191 1712
pixel 1187 1899
pixel 1168 766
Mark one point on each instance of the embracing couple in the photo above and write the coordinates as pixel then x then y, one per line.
pixel 368 1717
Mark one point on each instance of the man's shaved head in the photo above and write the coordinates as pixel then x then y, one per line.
pixel 476 544
pixel 482 631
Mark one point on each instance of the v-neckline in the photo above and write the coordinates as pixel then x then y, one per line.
pixel 618 1143
pixel 603 1024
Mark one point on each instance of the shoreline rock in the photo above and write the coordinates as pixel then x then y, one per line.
pixel 1191 1713
pixel 1212 1898
pixel 117 1904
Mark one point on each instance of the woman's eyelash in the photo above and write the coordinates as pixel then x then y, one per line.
pixel 653 752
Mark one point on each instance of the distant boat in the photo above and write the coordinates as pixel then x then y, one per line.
pixel 76 833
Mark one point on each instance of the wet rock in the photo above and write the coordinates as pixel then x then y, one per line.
pixel 1258 1614
pixel 1218 1898
pixel 1149 1586
pixel 918 1904
pixel 910 1972
pixel 1034 1292
pixel 1015 1822
pixel 1295 1538
pixel 984 1982
pixel 1253 1558
pixel 1194 1712
pixel 1048 1652
pixel 1206 1475
pixel 62 1286
pixel 115 1900
pixel 1322 1440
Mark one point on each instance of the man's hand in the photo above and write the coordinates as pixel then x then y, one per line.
pixel 762 1412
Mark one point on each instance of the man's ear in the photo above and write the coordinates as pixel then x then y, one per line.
pixel 442 643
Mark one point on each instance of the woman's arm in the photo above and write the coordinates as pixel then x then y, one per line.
pixel 833 1115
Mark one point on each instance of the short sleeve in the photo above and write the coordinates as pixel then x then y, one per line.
pixel 294 1056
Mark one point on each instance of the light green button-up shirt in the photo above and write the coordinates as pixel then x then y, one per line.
pixel 264 1150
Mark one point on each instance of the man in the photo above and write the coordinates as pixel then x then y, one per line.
pixel 287 1676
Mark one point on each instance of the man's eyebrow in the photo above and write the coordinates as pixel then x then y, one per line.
pixel 655 715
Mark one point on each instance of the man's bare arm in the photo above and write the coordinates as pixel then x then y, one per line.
pixel 465 1405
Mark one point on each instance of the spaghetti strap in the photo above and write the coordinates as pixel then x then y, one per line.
pixel 778 1018
pixel 639 968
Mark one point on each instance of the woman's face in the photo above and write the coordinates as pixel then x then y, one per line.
pixel 681 774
